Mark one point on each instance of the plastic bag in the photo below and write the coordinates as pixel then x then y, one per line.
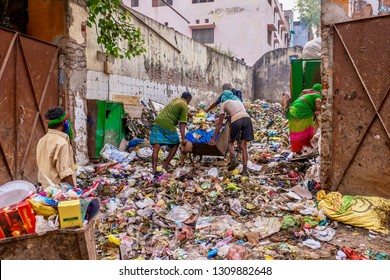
pixel 213 172
pixel 235 205
pixel 264 226
pixel 42 209
pixel 326 234
pixel 145 152
pixel 179 172
pixel 361 211
pixel 42 226
pixel 237 252
pixel 312 243
pixel 216 225
pixel 112 153
pixel 179 214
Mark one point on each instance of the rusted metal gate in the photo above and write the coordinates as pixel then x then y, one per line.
pixel 361 107
pixel 28 87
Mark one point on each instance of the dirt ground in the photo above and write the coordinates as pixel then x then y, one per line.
pixel 360 240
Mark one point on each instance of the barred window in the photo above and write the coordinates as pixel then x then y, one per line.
pixel 205 35
pixel 134 3
pixel 159 3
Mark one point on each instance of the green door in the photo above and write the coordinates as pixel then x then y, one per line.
pixel 304 74
pixel 110 124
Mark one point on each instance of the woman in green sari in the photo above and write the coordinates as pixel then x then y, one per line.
pixel 300 117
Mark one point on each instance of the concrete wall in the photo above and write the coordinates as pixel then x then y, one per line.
pixel 272 74
pixel 73 73
pixel 172 64
pixel 240 26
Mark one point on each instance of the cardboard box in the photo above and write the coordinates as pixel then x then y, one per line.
pixel 16 220
pixel 69 213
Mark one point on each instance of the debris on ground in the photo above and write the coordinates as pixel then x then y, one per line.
pixel 203 211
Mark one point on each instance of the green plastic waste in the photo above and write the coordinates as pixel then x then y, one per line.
pixel 290 222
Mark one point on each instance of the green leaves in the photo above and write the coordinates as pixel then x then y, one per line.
pixel 310 11
pixel 115 31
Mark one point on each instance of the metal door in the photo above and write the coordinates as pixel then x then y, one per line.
pixel 361 107
pixel 28 87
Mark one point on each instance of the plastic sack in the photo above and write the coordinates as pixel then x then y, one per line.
pixel 134 142
pixel 312 49
pixel 41 209
pixel 44 200
pixel 199 136
pixel 360 211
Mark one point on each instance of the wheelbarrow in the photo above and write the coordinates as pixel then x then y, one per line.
pixel 219 149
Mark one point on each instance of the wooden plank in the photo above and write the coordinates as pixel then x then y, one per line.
pixel 127 99
pixel 134 111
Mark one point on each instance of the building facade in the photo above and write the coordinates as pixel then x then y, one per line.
pixel 243 29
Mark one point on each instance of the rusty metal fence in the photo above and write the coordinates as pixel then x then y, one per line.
pixel 28 87
pixel 361 107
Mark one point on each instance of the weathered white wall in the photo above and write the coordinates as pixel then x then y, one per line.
pixel 240 26
pixel 173 63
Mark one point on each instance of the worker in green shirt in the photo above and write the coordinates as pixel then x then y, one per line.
pixel 164 129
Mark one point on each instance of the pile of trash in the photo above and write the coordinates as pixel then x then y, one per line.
pixel 140 127
pixel 23 210
pixel 203 211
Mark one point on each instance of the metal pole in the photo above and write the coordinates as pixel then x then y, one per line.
pixel 175 11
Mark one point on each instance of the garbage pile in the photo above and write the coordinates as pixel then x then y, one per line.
pixel 26 211
pixel 201 127
pixel 140 127
pixel 203 211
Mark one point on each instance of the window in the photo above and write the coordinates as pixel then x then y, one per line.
pixel 269 38
pixel 201 1
pixel 166 23
pixel 206 20
pixel 197 21
pixel 205 36
pixel 134 3
pixel 159 3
